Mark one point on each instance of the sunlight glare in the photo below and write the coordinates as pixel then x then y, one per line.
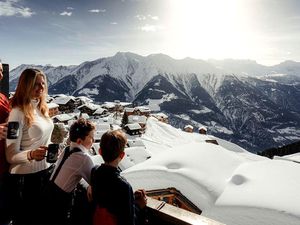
pixel 209 29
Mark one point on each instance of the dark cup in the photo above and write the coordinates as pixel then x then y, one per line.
pixel 52 153
pixel 13 130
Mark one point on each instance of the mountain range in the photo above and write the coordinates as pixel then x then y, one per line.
pixel 252 105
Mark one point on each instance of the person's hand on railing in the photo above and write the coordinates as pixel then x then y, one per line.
pixel 140 198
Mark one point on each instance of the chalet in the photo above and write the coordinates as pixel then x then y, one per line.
pixel 116 106
pixel 101 128
pixel 129 111
pixel 161 117
pixel 62 118
pixel 81 100
pixel 100 112
pixel 88 108
pixel 66 103
pixel 142 111
pixel 141 120
pixel 188 128
pixel 133 129
pixel 53 109
pixel 109 106
pixel 202 130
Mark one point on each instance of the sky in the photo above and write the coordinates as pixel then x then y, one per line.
pixel 69 32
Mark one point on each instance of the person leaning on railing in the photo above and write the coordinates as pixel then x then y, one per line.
pixel 116 204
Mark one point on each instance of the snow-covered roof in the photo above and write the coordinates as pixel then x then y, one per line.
pixel 137 119
pixel 103 126
pixel 133 126
pixel 134 155
pixel 98 134
pixel 128 109
pixel 202 128
pixel 226 182
pixel 142 109
pixel 52 105
pixel 62 100
pixel 85 115
pixel 63 117
pixel 116 102
pixel 84 99
pixel 90 106
pixel 99 111
pixel 108 105
pixel 188 126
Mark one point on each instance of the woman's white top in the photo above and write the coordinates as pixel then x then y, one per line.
pixel 77 166
pixel 30 138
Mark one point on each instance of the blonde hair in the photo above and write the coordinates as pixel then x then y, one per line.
pixel 23 95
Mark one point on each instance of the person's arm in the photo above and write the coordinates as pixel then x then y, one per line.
pixel 14 154
pixel 85 171
pixel 126 205
pixel 87 167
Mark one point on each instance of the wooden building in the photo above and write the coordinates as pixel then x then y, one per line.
pixel 133 129
pixel 174 197
pixel 188 128
pixel 53 109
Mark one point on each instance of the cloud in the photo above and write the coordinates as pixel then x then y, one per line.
pixel 114 23
pixel 143 17
pixel 151 28
pixel 97 10
pixel 65 13
pixel 153 17
pixel 12 8
pixel 70 8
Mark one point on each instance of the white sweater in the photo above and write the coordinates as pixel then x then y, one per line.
pixel 30 138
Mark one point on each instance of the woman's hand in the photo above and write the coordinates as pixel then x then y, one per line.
pixel 3 131
pixel 38 154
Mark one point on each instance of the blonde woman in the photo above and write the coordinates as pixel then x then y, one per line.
pixel 26 154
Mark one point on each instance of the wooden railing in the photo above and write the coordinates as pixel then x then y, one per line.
pixel 161 213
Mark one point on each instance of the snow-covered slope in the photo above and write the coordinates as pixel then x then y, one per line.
pixel 226 182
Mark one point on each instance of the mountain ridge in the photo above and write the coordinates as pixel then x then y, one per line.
pixel 240 105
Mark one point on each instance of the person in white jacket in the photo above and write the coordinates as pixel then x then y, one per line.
pixel 26 154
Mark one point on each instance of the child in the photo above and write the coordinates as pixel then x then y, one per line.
pixel 73 165
pixel 115 203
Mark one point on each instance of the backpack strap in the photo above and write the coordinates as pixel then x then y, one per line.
pixel 67 153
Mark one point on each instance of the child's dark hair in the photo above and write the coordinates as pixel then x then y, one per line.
pixel 80 129
pixel 112 144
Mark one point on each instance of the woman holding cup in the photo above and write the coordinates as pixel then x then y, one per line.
pixel 26 153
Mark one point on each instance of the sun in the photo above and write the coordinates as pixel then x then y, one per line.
pixel 209 29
